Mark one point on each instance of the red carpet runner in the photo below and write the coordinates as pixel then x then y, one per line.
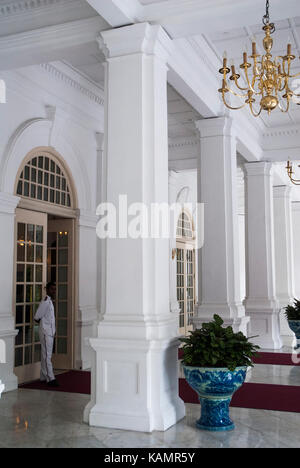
pixel 250 395
pixel 279 359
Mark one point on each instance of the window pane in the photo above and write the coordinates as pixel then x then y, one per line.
pixel 18 357
pixel 39 254
pixel 38 293
pixel 28 355
pixel 29 273
pixel 63 274
pixel 30 252
pixel 29 293
pixel 62 292
pixel 30 232
pixel 19 315
pixel 62 328
pixel 28 337
pixel 20 187
pixel 20 293
pixel 62 309
pixel 28 313
pixel 39 234
pixel 62 347
pixel 20 273
pixel 38 274
pixel 63 257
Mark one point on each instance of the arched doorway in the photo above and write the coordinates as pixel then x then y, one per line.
pixel 185 274
pixel 44 251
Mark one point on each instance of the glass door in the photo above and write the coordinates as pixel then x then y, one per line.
pixel 30 280
pixel 60 270
pixel 186 286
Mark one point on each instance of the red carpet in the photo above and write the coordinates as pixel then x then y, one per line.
pixel 250 395
pixel 71 382
pixel 280 359
pixel 255 396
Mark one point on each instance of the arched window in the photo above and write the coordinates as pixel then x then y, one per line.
pixel 42 178
pixel 186 296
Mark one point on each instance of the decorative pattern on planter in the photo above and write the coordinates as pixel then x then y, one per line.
pixel 295 327
pixel 215 387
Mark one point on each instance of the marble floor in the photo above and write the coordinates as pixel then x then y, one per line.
pixel 40 419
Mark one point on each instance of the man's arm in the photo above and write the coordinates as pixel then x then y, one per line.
pixel 40 313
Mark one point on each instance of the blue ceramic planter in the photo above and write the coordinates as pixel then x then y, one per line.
pixel 215 387
pixel 295 327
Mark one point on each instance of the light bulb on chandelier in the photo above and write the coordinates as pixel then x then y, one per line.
pixel 270 81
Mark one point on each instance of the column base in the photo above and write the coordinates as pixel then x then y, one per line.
pixel 265 327
pixel 135 385
pixel 232 316
pixel 8 378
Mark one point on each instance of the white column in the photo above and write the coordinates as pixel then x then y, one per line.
pixel 135 382
pixel 296 245
pixel 174 306
pixel 261 302
pixel 87 315
pixel 284 256
pixel 8 204
pixel 219 267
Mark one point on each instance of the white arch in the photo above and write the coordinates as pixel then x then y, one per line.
pixel 36 133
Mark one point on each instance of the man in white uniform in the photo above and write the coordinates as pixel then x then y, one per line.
pixel 45 316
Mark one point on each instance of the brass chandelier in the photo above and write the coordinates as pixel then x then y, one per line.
pixel 270 80
pixel 290 173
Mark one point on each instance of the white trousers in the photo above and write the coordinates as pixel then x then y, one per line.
pixel 46 356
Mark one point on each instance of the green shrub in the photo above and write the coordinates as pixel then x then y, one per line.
pixel 293 312
pixel 216 346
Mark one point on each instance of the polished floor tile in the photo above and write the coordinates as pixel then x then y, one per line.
pixel 33 418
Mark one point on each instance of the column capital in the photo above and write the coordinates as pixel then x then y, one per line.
pixel 137 38
pixel 217 126
pixel 261 168
pixel 8 203
pixel 282 191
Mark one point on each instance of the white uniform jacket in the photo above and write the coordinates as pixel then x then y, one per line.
pixel 45 314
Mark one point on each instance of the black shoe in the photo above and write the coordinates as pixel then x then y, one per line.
pixel 53 383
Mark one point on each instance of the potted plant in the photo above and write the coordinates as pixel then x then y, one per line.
pixel 292 314
pixel 215 362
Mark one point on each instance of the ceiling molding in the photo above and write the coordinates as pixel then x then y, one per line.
pixel 71 82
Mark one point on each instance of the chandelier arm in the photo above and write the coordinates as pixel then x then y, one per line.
pixel 287 107
pixel 294 76
pixel 238 86
pixel 237 94
pixel 294 181
pixel 229 107
pixel 252 110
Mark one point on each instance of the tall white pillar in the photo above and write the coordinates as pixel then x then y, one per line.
pixel 135 381
pixel 8 204
pixel 261 302
pixel 284 256
pixel 219 267
pixel 296 245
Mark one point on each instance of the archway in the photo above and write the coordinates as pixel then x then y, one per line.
pixel 44 251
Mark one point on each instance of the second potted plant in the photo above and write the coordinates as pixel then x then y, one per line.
pixel 292 314
pixel 215 362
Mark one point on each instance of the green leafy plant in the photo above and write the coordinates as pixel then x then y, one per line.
pixel 293 312
pixel 217 346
